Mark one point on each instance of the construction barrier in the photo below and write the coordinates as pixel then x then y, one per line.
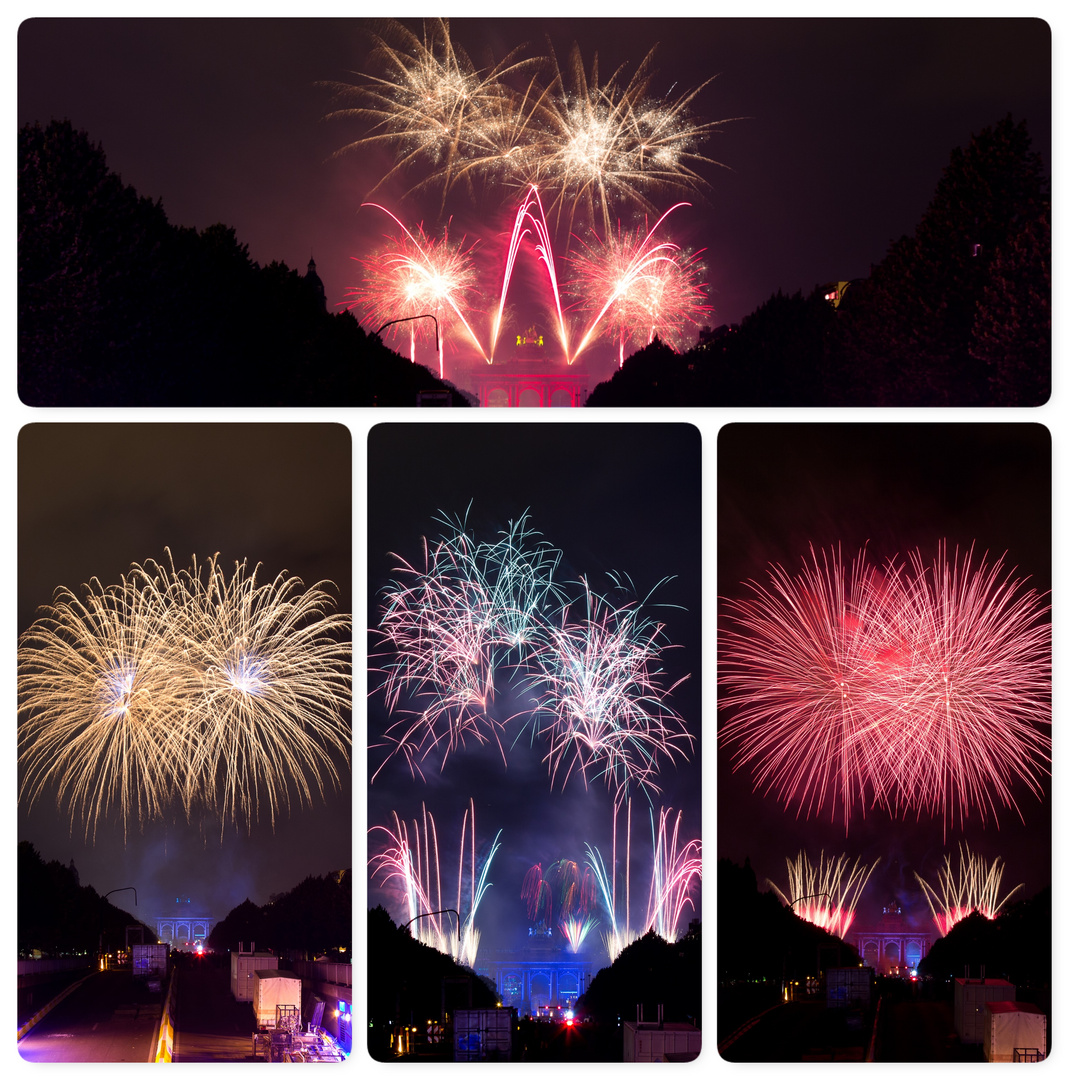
pixel 165 1042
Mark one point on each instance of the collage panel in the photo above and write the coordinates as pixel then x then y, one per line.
pixel 534 741
pixel 884 826
pixel 184 741
pixel 537 212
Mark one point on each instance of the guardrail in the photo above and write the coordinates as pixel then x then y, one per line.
pixel 42 1012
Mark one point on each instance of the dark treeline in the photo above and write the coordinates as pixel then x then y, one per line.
pixel 650 972
pixel 1016 946
pixel 58 916
pixel 116 306
pixel 409 982
pixel 313 918
pixel 956 314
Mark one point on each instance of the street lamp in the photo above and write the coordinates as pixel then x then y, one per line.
pixel 409 318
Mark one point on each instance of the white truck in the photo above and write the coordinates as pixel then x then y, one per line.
pixel 271 988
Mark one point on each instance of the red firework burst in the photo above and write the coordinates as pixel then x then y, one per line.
pixel 838 676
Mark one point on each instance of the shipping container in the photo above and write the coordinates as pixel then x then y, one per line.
pixel 242 967
pixel 1014 1025
pixel 483 1034
pixel 849 987
pixel 149 961
pixel 272 987
pixel 661 1042
pixel 970 997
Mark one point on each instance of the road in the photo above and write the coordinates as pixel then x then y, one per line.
pixel 209 1024
pixel 110 1017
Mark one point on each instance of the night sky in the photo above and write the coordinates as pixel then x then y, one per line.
pixel 93 498
pixel 893 488
pixel 611 497
pixel 847 126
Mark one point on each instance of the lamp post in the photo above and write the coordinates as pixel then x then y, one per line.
pixel 123 888
pixel 409 318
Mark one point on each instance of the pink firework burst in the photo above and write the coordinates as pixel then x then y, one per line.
pixel 413 276
pixel 836 676
pixel 604 697
pixel 638 289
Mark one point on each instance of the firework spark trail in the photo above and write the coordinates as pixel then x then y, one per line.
pixel 643 288
pixel 603 707
pixel 674 871
pixel 975 888
pixel 449 626
pixel 544 248
pixel 413 275
pixel 414 869
pixel 826 894
pixel 836 678
pixel 167 691
pixel 524 122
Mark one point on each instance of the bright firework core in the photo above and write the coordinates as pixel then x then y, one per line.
pixel 629 286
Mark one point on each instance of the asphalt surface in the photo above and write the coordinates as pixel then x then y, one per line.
pixel 209 1024
pixel 111 1017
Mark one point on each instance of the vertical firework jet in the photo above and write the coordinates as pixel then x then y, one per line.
pixel 413 867
pixel 974 888
pixel 673 875
pixel 826 894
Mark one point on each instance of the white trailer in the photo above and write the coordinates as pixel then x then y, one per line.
pixel 272 987
pixel 242 967
pixel 1014 1025
pixel 970 997
pixel 661 1042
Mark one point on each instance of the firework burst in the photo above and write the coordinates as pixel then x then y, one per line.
pixel 427 101
pixel 274 659
pixel 974 889
pixel 837 675
pixel 603 703
pixel 173 691
pixel 102 696
pixel 450 625
pixel 415 276
pixel 525 121
pixel 826 894
pixel 638 289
